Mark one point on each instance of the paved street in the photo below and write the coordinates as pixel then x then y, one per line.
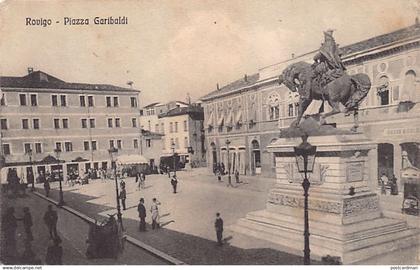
pixel 188 216
pixel 72 230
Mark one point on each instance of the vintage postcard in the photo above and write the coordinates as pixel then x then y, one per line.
pixel 205 132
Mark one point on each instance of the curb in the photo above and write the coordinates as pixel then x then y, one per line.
pixel 129 239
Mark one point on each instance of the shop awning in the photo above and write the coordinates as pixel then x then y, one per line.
pixel 131 159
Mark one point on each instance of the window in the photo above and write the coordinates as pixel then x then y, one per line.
pixel 116 103
pixel 90 101
pixel 171 127
pixel 157 128
pixel 86 145
pixel 119 144
pixel 34 100
pixel 58 146
pixel 3 99
pixel 135 143
pixel 65 123
pixel 6 149
pixel 27 147
pixel 176 126
pixel 63 99
pixel 94 146
pixel 3 124
pixel 54 100
pixel 92 123
pixel 84 123
pixel 186 142
pixel 22 99
pixel 133 102
pixel 148 143
pixel 172 142
pixel 82 101
pixel 383 90
pixel 56 123
pixel 25 123
pixel 185 125
pixel 274 112
pixel 108 102
pixel 68 146
pixel 110 122
pixel 111 144
pixel 117 122
pixel 38 148
pixel 134 122
pixel 176 143
pixel 35 123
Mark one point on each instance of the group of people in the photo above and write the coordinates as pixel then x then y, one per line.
pixel 385 183
pixel 154 209
pixel 9 228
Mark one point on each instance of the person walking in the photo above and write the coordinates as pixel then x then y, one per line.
pixel 384 182
pixel 237 177
pixel 46 181
pixel 31 180
pixel 27 224
pixel 154 209
pixel 219 176
pixel 9 226
pixel 50 219
pixel 218 224
pixel 123 196
pixel 174 183
pixel 142 215
pixel 54 252
pixel 394 186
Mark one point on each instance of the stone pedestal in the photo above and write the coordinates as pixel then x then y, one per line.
pixel 342 223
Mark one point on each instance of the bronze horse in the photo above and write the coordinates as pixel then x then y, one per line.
pixel 348 90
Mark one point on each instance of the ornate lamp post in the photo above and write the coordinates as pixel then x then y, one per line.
pixel 228 163
pixel 305 160
pixel 57 155
pixel 32 171
pixel 113 151
pixel 173 155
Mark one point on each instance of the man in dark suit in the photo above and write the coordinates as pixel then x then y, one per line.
pixel 218 224
pixel 142 215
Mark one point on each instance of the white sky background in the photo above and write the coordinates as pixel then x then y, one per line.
pixel 173 47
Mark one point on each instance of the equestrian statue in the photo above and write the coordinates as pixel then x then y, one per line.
pixel 326 79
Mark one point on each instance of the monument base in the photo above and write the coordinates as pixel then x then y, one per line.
pixel 345 218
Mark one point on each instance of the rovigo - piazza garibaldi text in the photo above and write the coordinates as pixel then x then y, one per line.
pixel 44 22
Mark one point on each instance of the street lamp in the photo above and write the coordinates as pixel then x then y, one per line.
pixel 228 163
pixel 113 151
pixel 57 152
pixel 30 164
pixel 305 160
pixel 173 155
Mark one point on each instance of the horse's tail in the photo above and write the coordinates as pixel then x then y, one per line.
pixel 362 85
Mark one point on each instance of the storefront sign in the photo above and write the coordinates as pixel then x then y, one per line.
pixel 354 171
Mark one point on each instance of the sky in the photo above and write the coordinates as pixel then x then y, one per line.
pixel 171 48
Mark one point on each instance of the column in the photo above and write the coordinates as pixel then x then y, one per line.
pixel 65 173
pixel 398 163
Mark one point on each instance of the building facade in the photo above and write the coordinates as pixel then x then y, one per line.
pixel 40 113
pixel 151 147
pixel 149 114
pixel 183 129
pixel 251 112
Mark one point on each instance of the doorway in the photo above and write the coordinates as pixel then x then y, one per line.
pixel 385 160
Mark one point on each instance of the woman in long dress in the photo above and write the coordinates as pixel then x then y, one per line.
pixel 154 209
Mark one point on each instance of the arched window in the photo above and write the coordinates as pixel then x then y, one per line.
pixel 273 101
pixel 409 85
pixel 383 90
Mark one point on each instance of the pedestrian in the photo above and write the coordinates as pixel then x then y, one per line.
pixel 123 196
pixel 384 181
pixel 219 176
pixel 222 168
pixel 122 183
pixel 27 224
pixel 237 177
pixel 50 219
pixel 394 187
pixel 168 170
pixel 142 180
pixel 154 209
pixel 174 183
pixel 54 252
pixel 31 180
pixel 142 215
pixel 218 224
pixel 46 181
pixel 9 226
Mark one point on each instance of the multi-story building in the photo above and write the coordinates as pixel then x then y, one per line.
pixel 183 129
pixel 250 112
pixel 40 113
pixel 151 144
pixel 149 114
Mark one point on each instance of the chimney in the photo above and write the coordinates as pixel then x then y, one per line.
pixel 30 70
pixel 218 88
pixel 246 78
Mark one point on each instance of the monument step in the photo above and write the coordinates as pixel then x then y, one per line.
pixel 353 251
